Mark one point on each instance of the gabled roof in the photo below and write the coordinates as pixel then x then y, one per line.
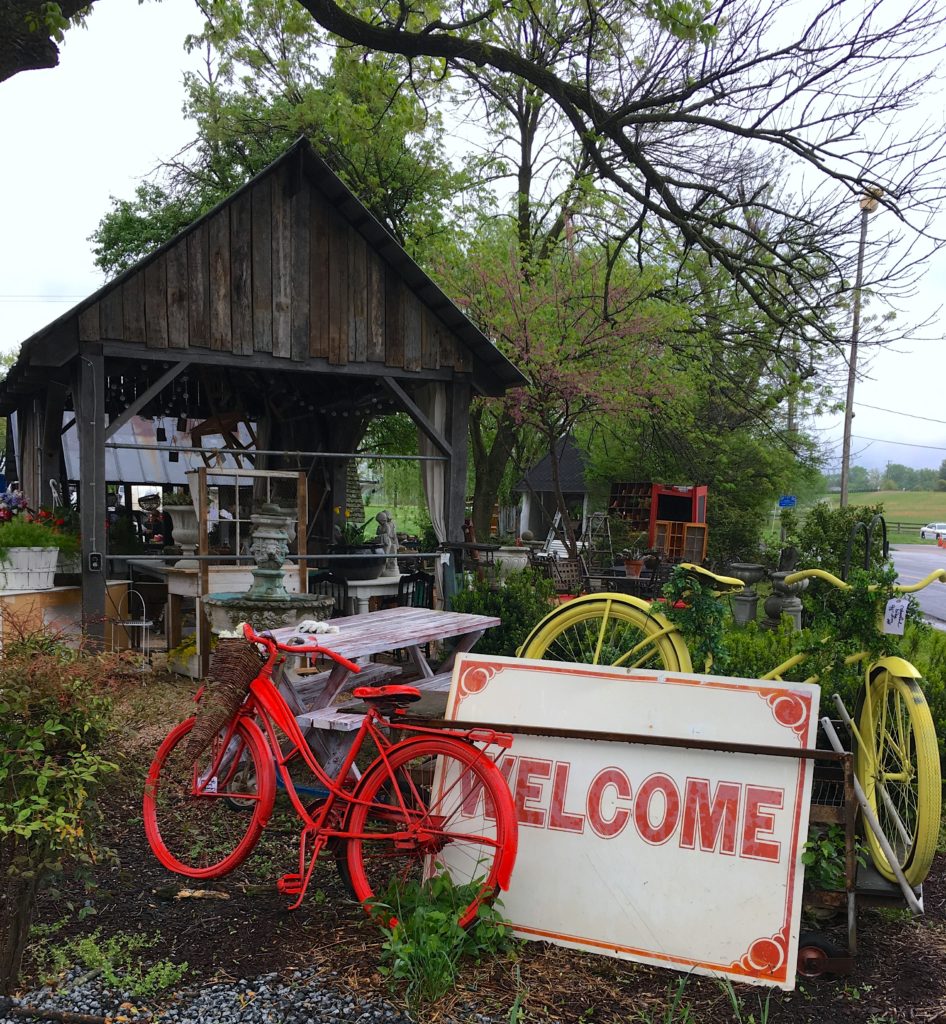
pixel 571 470
pixel 308 193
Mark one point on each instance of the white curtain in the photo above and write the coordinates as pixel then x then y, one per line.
pixel 432 402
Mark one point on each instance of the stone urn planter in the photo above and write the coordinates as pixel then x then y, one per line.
pixel 783 600
pixel 745 604
pixel 184 520
pixel 28 568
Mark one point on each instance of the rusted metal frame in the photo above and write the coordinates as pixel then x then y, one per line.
pixel 804 753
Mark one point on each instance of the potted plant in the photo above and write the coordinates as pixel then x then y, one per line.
pixel 350 540
pixel 180 507
pixel 30 543
pixel 634 553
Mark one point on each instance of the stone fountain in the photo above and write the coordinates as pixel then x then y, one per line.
pixel 267 604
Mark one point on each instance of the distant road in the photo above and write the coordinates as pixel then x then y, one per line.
pixel 913 562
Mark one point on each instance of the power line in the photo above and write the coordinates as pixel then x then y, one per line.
pixel 895 412
pixel 904 444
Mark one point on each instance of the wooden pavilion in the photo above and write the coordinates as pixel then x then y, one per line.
pixel 289 308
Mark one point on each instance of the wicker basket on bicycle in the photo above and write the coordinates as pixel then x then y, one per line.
pixel 234 664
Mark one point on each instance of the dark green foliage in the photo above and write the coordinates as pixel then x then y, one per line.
pixel 522 600
pixel 695 610
pixel 752 652
pixel 822 537
pixel 824 857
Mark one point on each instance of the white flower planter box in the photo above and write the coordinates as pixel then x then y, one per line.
pixel 28 568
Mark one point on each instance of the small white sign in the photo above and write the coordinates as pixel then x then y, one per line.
pixel 672 856
pixel 895 615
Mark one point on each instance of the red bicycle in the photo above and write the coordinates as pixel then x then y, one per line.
pixel 428 802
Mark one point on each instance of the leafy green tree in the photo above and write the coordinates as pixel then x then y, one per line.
pixel 671 103
pixel 269 77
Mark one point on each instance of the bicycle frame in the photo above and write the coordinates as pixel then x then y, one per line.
pixel 266 704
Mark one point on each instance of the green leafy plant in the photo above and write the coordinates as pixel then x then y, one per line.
pixel 694 608
pixel 424 944
pixel 25 533
pixel 351 535
pixel 520 601
pixel 824 857
pixel 177 499
pixel 118 959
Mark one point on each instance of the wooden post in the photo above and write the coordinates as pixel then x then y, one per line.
pixel 302 528
pixel 203 573
pixel 51 447
pixel 89 394
pixel 458 421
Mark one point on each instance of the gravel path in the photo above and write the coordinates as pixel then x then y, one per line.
pixel 302 998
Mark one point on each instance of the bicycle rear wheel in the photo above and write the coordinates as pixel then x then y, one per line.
pixel 196 813
pixel 897 765
pixel 608 629
pixel 438 805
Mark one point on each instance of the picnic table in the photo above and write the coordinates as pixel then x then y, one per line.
pixel 311 691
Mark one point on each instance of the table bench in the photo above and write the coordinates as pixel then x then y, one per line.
pixel 342 719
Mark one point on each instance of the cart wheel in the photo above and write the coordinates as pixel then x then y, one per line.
pixel 813 950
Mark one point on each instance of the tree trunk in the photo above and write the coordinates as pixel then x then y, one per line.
pixel 17 896
pixel 489 463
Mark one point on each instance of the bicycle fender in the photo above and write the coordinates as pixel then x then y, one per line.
pixel 897 667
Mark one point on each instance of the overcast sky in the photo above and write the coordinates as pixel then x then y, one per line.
pixel 92 127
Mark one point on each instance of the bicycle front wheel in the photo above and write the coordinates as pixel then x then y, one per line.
pixel 608 629
pixel 437 806
pixel 897 764
pixel 203 818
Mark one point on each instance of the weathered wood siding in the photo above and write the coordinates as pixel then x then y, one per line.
pixel 276 270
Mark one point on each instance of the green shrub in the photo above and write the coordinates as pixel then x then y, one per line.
pixel 520 601
pixel 823 536
pixel 55 711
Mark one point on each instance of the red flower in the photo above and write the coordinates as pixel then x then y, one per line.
pixel 393 923
pixel 60 522
pixel 5 514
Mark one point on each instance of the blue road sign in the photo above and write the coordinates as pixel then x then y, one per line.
pixel 787 501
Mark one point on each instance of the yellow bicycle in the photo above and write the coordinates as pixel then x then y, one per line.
pixel 896 759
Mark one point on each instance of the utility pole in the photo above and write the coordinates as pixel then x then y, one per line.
pixel 868 201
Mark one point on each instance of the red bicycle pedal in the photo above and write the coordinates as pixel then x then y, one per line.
pixel 290 885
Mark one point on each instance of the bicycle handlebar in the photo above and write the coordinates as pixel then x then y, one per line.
pixel 273 645
pixel 823 574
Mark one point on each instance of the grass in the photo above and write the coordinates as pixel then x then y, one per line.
pixel 407 518
pixel 901 508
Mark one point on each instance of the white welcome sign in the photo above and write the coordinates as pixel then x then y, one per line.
pixel 678 857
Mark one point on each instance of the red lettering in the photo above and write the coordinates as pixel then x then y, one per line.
pixel 757 821
pixel 660 832
pixel 559 818
pixel 471 791
pixel 608 778
pixel 527 791
pixel 716 820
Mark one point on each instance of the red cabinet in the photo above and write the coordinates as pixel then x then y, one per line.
pixel 672 516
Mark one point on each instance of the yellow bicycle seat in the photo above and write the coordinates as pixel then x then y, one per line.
pixel 721 584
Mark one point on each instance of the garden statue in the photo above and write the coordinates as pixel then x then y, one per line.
pixel 387 535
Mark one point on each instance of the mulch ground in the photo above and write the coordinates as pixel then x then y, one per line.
pixel 900 972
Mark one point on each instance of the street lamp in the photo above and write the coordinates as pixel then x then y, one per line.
pixel 869 203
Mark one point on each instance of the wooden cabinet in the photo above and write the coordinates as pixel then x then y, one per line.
pixel 672 516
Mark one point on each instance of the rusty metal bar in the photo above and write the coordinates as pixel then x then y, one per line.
pixel 687 743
